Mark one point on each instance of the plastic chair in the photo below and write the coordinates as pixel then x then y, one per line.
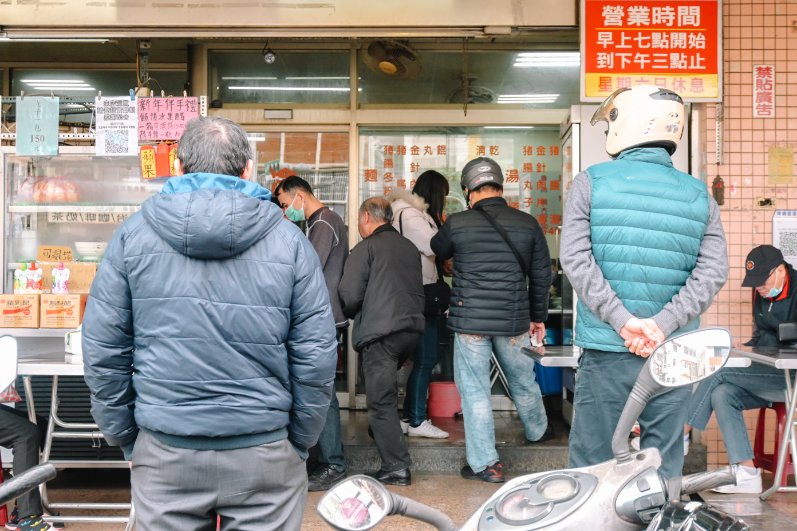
pixel 8 373
pixel 768 461
pixel 3 508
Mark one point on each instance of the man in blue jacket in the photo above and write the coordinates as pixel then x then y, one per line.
pixel 644 248
pixel 209 345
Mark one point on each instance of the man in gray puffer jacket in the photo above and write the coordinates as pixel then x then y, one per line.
pixel 209 345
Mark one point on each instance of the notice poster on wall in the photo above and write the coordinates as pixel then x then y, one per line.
pixel 165 118
pixel 117 124
pixel 37 125
pixel 784 234
pixel 763 91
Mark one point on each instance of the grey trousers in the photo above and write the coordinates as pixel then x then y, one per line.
pixel 603 383
pixel 24 437
pixel 252 489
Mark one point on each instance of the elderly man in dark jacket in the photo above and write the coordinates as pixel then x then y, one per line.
pixel 209 345
pixel 494 310
pixel 382 286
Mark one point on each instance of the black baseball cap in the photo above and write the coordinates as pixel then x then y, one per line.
pixel 759 265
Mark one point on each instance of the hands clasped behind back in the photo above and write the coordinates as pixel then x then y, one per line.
pixel 641 336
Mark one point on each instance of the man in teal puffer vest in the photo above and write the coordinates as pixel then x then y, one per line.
pixel 644 248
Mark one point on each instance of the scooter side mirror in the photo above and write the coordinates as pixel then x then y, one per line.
pixel 679 361
pixel 690 357
pixel 357 503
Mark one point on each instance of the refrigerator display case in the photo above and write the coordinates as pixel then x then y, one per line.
pixel 74 201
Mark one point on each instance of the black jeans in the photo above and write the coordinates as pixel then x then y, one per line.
pixel 379 362
pixel 24 437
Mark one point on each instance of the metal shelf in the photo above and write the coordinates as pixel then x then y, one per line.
pixel 79 208
pixel 34 332
pixel 15 265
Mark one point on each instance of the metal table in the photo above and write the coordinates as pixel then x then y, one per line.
pixel 567 356
pixel 55 365
pixel 785 359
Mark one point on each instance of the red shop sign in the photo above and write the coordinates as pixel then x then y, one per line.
pixel 675 44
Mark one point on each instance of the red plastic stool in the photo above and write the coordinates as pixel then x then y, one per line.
pixel 3 508
pixel 770 461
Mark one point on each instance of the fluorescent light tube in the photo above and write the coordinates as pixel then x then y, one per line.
pixel 547 59
pixel 259 78
pixel 294 89
pixel 342 78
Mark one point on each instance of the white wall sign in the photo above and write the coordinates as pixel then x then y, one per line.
pixel 117 126
pixel 763 91
pixel 784 234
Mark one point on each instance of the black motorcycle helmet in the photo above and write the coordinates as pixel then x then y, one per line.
pixel 481 171
pixel 477 173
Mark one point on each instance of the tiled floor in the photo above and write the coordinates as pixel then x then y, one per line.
pixel 444 490
pixel 448 492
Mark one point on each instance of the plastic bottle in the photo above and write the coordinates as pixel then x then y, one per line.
pixel 34 283
pixel 17 279
pixel 21 283
pixel 60 279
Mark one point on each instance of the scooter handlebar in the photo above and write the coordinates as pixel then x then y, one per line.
pixel 28 480
pixel 707 480
pixel 418 511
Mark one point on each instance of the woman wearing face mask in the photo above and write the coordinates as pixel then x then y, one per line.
pixel 731 391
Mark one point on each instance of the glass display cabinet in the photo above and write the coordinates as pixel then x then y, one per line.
pixel 71 201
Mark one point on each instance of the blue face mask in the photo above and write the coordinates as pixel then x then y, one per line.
pixel 295 214
pixel 774 292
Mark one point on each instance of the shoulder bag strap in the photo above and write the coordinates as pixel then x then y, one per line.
pixel 401 225
pixel 505 236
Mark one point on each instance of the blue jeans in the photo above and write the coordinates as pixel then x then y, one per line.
pixel 330 441
pixel 472 355
pixel 729 393
pixel 418 383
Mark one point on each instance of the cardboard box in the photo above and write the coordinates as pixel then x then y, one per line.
pixel 81 275
pixel 62 311
pixel 19 311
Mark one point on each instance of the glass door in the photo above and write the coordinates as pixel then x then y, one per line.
pixel 321 159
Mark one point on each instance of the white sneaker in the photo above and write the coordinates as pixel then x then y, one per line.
pixel 405 426
pixel 746 482
pixel 427 429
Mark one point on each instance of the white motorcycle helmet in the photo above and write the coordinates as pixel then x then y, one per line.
pixel 642 115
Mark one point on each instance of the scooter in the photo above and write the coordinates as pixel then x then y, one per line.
pixel 28 480
pixel 624 493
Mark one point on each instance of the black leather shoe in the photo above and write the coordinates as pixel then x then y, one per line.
pixel 324 477
pixel 547 436
pixel 401 478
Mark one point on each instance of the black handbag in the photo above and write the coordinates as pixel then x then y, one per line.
pixel 438 293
